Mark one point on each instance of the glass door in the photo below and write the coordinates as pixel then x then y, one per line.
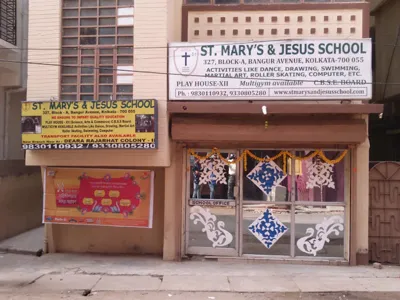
pixel 212 203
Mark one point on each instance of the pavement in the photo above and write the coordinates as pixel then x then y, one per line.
pixel 29 242
pixel 70 275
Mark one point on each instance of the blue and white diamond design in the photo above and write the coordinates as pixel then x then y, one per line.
pixel 267 229
pixel 266 176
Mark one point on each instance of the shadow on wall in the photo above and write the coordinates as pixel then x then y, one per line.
pixel 21 197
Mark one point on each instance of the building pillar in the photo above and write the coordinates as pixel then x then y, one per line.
pixel 173 209
pixel 360 214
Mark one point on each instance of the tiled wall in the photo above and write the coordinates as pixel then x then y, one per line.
pixel 44 32
pixel 271 25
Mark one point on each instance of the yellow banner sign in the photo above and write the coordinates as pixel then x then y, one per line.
pixel 106 197
pixel 130 124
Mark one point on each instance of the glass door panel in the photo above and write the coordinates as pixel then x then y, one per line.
pixel 212 203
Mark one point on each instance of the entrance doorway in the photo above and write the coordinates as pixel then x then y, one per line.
pixel 258 202
pixel 384 212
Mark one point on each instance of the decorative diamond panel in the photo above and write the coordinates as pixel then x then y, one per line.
pixel 266 176
pixel 267 229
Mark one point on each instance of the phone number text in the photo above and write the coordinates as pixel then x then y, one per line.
pixel 87 146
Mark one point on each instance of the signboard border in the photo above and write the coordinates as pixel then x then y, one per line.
pixel 325 98
pixel 156 142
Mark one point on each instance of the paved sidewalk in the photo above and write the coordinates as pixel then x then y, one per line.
pixel 30 242
pixel 96 274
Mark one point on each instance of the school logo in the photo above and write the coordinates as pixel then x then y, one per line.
pixel 186 59
pixel 25 106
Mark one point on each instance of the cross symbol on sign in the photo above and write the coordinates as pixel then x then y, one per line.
pixel 186 56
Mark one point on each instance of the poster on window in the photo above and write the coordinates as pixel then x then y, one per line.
pixel 69 125
pixel 102 197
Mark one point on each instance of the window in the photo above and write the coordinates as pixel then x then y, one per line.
pixel 8 21
pixel 97 50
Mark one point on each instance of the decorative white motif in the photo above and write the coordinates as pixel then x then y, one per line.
pixel 212 169
pixel 60 187
pixel 310 244
pixel 320 175
pixel 266 176
pixel 215 232
pixel 267 229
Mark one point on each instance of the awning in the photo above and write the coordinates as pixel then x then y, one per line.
pixel 210 129
pixel 229 107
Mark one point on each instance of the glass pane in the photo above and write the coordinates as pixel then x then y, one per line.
pixel 125 60
pixel 87 97
pixel 68 89
pixel 106 60
pixel 70 22
pixel 105 88
pixel 70 13
pixel 69 60
pixel 107 31
pixel 88 60
pixel 88 31
pixel 106 40
pixel 70 3
pixel 125 2
pixel 105 97
pixel 87 70
pixel 89 22
pixel 107 11
pixel 88 3
pixel 125 88
pixel 87 88
pixel 107 21
pixel 266 229
pixel 125 30
pixel 70 31
pixel 89 12
pixel 106 79
pixel 87 51
pixel 88 40
pixel 106 51
pixel 107 2
pixel 265 181
pixel 70 41
pixel 125 50
pixel 87 79
pixel 227 1
pixel 124 97
pixel 317 181
pixel 69 51
pixel 212 178
pixel 125 40
pixel 68 97
pixel 224 216
pixel 106 70
pixel 69 70
pixel 327 224
pixel 69 79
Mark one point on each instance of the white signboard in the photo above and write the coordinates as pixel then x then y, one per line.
pixel 294 70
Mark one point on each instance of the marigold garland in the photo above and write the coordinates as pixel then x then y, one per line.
pixel 283 153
